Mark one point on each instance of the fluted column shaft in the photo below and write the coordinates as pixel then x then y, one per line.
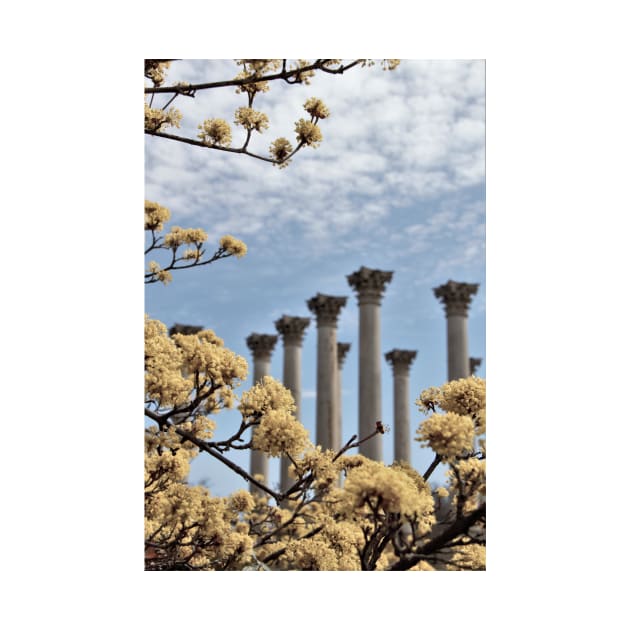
pixel 456 297
pixel 400 361
pixel 326 308
pixel 402 450
pixel 370 404
pixel 370 285
pixel 292 331
pixel 342 350
pixel 457 344
pixel 261 347
pixel 326 378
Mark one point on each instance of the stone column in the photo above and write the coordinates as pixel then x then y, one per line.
pixel 342 350
pixel 456 296
pixel 326 308
pixel 261 346
pixel 400 361
pixel 474 364
pixel 370 285
pixel 292 331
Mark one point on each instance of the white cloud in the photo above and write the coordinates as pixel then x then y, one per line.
pixel 394 138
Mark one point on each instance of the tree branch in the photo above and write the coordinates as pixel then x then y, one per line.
pixel 284 74
pixel 432 467
pixel 460 526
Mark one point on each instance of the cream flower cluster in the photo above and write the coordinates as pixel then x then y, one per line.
pixel 251 88
pixel 163 275
pixel 180 236
pixel 163 379
pixel 213 365
pixel 258 67
pixel 156 119
pixel 305 75
pixel 191 526
pixel 387 64
pixel 199 426
pixel 393 491
pixel 469 481
pixel 191 254
pixel 462 397
pixel 311 555
pixel 469 557
pixel 272 405
pixel 413 474
pixel 280 149
pixel 251 119
pixel 320 463
pixel 390 64
pixel 233 245
pixel 449 435
pixel 344 538
pixel 165 465
pixel 215 132
pixel 465 396
pixel 155 216
pixel 241 501
pixel 266 395
pixel 157 72
pixel 315 107
pixel 175 366
pixel 308 133
pixel 280 433
pixel 335 544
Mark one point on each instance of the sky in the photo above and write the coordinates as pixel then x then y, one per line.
pixel 397 184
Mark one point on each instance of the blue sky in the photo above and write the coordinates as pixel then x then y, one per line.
pixel 398 184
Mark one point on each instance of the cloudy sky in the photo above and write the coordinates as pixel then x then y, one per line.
pixel 397 184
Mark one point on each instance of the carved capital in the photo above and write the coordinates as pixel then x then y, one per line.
pixel 400 360
pixel 342 350
pixel 369 284
pixel 184 329
pixel 474 364
pixel 292 329
pixel 326 308
pixel 261 345
pixel 456 296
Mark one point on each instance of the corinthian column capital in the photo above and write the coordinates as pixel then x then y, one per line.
pixel 184 329
pixel 474 364
pixel 292 329
pixel 326 308
pixel 342 350
pixel 261 345
pixel 455 296
pixel 400 360
pixel 369 284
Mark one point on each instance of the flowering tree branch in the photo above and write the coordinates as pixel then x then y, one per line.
pixel 254 78
pixel 296 75
pixel 459 527
pixel 184 262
